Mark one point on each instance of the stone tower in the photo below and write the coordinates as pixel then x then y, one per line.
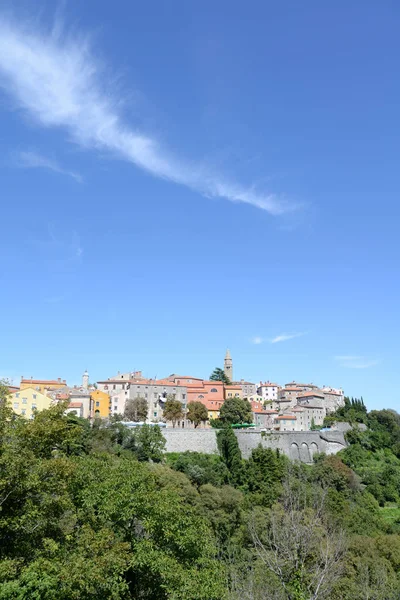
pixel 228 367
pixel 85 380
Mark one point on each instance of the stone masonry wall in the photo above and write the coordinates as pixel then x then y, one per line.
pixel 297 445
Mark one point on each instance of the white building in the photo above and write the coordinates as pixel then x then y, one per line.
pixel 268 391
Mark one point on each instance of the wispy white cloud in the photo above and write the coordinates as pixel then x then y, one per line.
pixel 33 160
pixel 356 362
pixel 284 337
pixel 257 340
pixel 58 82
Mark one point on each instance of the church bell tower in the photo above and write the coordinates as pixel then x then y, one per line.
pixel 228 367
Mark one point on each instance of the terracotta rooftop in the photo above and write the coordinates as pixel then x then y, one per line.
pixel 287 417
pixel 75 405
pixel 44 381
pixel 311 394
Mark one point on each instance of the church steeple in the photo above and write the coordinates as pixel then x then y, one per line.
pixel 85 380
pixel 228 366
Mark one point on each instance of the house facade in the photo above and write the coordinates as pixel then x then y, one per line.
pixel 27 401
pixel 42 385
pixel 268 391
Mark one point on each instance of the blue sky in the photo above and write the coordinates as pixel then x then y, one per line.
pixel 179 178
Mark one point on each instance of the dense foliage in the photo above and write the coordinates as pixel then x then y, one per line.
pixel 219 375
pixel 173 410
pixel 197 413
pixel 136 409
pixel 236 410
pixel 95 511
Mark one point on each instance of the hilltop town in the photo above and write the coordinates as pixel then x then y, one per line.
pixel 293 406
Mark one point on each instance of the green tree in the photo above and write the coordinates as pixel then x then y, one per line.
pixel 219 375
pixel 265 470
pixel 197 413
pixel 147 442
pixel 298 548
pixel 200 468
pixel 236 410
pixel 136 409
pixel 230 453
pixel 173 410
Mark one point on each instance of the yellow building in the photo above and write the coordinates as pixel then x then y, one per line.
pixel 42 385
pixel 100 404
pixel 213 408
pixel 233 391
pixel 25 402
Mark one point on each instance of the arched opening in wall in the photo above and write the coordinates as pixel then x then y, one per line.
pixel 294 451
pixel 305 453
pixel 313 449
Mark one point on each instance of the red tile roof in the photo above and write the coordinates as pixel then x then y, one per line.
pixel 311 394
pixel 75 405
pixel 287 417
pixel 44 381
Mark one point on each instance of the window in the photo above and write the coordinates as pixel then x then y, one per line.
pixel 116 407
pixel 114 387
pixel 34 406
pixel 213 390
pixel 155 413
pixel 201 396
pixel 145 395
pixel 229 394
pixel 16 405
pixel 24 400
pixel 155 395
pixel 17 395
pixel 97 403
pixel 183 396
pixel 123 386
pixel 34 396
pixel 23 411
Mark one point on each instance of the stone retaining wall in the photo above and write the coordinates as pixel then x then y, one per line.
pixel 298 445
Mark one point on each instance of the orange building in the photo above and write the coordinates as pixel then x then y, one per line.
pixel 200 389
pixel 213 408
pixel 100 404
